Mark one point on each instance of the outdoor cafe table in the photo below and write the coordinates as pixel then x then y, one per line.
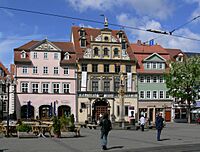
pixel 41 129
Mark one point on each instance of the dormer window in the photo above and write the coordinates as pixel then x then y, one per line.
pixel 83 42
pixel 82 32
pixel 116 52
pixel 66 56
pixel 96 51
pixel 106 51
pixel 123 44
pixel 179 57
pixel 23 54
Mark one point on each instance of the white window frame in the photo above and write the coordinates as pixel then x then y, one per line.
pixel 35 55
pixel 167 96
pixel 24 69
pixel 156 78
pixel 55 70
pixel 55 88
pixel 66 56
pixel 161 79
pixel 149 79
pixel 35 87
pixel 162 94
pixel 148 65
pixel 24 87
pixel 56 56
pixel 45 88
pixel 23 54
pixel 161 65
pixel 142 78
pixel 66 70
pixel 66 87
pixel 147 94
pixel 156 94
pixel 141 94
pixel 154 64
pixel 45 55
pixel 35 70
pixel 45 70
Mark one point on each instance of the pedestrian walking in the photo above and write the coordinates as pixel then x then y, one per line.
pixel 159 125
pixel 142 122
pixel 106 126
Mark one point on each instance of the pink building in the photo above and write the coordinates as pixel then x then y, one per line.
pixel 46 80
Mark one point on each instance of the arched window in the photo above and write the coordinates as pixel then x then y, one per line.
pixel 96 51
pixel 23 54
pixel 106 51
pixel 116 52
pixel 106 38
pixel 66 56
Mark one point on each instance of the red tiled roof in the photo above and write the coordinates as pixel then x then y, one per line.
pixel 5 71
pixel 142 51
pixel 64 46
pixel 173 53
pixel 94 33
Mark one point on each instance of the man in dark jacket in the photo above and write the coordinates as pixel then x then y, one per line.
pixel 159 125
pixel 106 126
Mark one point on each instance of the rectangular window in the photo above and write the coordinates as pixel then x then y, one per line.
pixel 35 87
pixel 55 70
pixel 117 68
pixel 154 79
pixel 161 79
pixel 154 65
pixel 35 70
pixel 24 87
pixel 128 68
pixel 45 55
pixel 148 94
pixel 161 94
pixel 148 79
pixel 56 56
pixel 66 70
pixel 45 87
pixel 35 55
pixel 45 70
pixel 123 45
pixel 94 67
pixel 5 106
pixel 106 85
pixel 84 67
pixel 56 87
pixel 167 95
pixel 24 69
pixel 66 87
pixel 142 79
pixel 161 65
pixel 126 110
pixel 141 94
pixel 83 42
pixel 148 65
pixel 155 96
pixel 95 86
pixel 106 68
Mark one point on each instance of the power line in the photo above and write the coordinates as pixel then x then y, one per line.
pixel 98 22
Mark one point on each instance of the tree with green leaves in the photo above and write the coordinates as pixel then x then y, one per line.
pixel 183 81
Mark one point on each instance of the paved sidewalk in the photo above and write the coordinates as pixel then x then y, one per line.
pixel 119 140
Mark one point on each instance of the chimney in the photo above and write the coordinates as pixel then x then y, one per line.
pixel 139 42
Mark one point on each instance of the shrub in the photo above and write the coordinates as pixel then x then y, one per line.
pixel 23 128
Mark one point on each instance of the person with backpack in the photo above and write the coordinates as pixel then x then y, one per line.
pixel 106 126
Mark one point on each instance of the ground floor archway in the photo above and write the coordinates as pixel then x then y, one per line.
pixel 27 112
pixel 45 112
pixel 64 110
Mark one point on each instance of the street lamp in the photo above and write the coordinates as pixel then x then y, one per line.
pixel 8 82
pixel 121 97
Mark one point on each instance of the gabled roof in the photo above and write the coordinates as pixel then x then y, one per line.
pixel 174 53
pixel 5 70
pixel 154 54
pixel 62 46
pixel 93 32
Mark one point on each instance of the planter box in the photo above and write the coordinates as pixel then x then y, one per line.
pixel 26 135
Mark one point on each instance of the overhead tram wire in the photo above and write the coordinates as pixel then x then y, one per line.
pixel 180 26
pixel 98 22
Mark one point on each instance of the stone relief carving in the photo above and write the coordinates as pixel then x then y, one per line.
pixel 45 46
pixel 88 53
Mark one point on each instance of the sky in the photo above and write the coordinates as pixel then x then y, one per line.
pixel 18 28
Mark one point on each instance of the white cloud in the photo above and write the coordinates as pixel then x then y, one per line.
pixel 153 8
pixel 164 40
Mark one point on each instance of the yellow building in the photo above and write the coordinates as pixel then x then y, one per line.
pixel 102 56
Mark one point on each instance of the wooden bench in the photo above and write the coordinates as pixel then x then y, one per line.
pixel 92 126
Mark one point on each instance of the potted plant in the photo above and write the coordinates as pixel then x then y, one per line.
pixel 56 127
pixel 23 130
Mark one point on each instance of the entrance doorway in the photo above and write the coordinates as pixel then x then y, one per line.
pixel 45 112
pixel 100 106
pixel 168 116
pixel 64 110
pixel 27 112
